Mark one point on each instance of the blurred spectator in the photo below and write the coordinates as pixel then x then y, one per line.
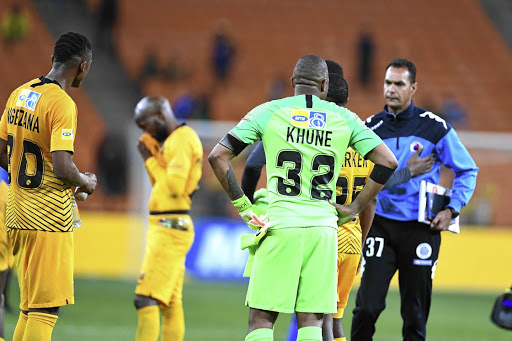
pixel 184 106
pixel 112 165
pixel 176 70
pixel 453 112
pixel 276 88
pixel 222 53
pixel 107 18
pixel 366 50
pixel 203 106
pixel 150 67
pixel 15 25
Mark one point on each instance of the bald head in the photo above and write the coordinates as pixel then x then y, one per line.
pixel 152 105
pixel 310 70
pixel 154 116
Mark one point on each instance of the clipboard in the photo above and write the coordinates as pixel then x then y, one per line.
pixel 435 198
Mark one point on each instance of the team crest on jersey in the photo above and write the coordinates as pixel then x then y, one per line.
pixel 424 251
pixel 67 134
pixel 414 146
pixel 28 99
pixel 308 119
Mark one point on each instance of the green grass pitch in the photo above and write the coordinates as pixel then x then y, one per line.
pixel 216 311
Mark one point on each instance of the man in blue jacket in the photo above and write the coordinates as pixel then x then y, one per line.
pixel 396 240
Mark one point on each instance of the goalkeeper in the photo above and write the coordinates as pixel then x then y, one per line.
pixel 302 174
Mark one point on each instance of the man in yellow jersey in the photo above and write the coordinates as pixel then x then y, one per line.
pixel 37 133
pixel 174 171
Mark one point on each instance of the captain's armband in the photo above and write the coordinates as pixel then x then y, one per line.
pixel 233 144
pixel 381 174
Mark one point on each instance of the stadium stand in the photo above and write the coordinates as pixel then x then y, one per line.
pixel 450 43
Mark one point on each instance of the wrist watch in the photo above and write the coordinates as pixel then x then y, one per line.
pixel 455 214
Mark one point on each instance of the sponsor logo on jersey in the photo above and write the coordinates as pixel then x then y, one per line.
pixel 424 251
pixel 308 119
pixel 67 134
pixel 415 145
pixel 317 120
pixel 28 99
pixel 300 118
pixel 427 262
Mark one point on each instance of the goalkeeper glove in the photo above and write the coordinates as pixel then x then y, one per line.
pixel 251 214
pixel 263 227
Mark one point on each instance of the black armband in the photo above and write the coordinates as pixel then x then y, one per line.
pixel 233 144
pixel 381 174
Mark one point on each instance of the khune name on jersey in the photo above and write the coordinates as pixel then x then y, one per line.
pixel 23 119
pixel 309 136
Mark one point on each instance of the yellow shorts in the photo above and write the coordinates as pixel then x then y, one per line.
pixel 168 240
pixel 44 264
pixel 347 267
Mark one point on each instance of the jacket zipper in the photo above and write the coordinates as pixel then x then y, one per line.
pixel 397 126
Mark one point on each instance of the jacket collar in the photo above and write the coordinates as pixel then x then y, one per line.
pixel 402 115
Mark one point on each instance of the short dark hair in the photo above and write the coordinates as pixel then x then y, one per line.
pixel 71 47
pixel 334 67
pixel 310 70
pixel 338 89
pixel 404 63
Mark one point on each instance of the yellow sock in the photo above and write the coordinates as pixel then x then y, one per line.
pixel 20 328
pixel 340 339
pixel 39 327
pixel 173 322
pixel 149 323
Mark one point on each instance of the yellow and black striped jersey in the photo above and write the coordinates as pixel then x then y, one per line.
pixel 176 172
pixel 353 176
pixel 39 118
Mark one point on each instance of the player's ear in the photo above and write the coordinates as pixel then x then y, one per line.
pixel 291 79
pixel 414 86
pixel 83 66
pixel 323 86
pixel 52 58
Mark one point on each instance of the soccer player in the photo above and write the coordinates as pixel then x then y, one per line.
pixel 37 133
pixel 174 171
pixel 305 139
pixel 397 241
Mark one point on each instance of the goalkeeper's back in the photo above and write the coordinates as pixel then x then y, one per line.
pixel 305 139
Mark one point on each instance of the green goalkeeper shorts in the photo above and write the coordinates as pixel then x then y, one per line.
pixel 294 269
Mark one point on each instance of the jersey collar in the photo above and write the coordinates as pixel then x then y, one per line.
pixel 44 80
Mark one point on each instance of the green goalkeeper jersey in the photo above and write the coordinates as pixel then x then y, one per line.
pixel 305 139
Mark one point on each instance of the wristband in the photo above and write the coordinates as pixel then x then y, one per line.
pixel 381 174
pixel 242 204
pixel 455 214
